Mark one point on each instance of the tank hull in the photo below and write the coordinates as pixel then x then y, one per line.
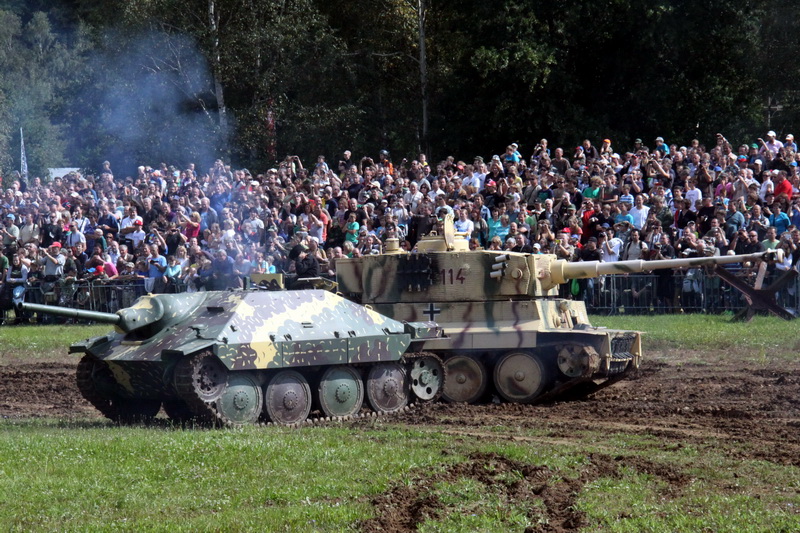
pixel 230 348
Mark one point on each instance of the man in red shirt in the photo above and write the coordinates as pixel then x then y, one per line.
pixel 783 188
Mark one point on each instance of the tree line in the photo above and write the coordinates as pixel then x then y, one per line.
pixel 136 81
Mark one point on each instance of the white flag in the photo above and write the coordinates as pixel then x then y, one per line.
pixel 23 161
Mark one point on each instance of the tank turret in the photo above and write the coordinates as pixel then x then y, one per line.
pixel 505 329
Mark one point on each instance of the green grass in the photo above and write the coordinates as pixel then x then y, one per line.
pixel 95 477
pixel 43 342
pixel 89 475
pixel 716 333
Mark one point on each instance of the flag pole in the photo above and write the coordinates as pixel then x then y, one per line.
pixel 23 160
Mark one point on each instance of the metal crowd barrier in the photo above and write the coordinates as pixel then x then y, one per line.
pixel 680 291
pixel 665 291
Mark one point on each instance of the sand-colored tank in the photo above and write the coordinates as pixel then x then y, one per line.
pixel 505 330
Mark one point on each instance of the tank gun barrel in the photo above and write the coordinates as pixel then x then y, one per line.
pixel 563 270
pixel 96 316
pixel 147 312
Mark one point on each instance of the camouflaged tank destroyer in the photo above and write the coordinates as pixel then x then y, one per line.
pixel 505 329
pixel 236 357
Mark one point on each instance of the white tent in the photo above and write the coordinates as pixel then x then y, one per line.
pixel 61 172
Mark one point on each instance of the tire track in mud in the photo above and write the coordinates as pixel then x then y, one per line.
pixel 549 498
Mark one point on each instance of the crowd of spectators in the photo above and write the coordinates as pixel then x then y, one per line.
pixel 211 229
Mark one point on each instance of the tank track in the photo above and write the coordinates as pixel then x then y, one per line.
pixel 184 383
pixel 99 387
pixel 86 385
pixel 323 421
pixel 206 412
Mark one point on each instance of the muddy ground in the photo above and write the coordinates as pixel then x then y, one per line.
pixel 749 410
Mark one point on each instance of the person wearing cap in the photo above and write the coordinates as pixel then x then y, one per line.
pixel 491 194
pixel 790 142
pixel 771 144
pixel 511 157
pixel 605 148
pixel 661 146
pixel 10 233
pixel 53 262
pixel 137 235
pixel 305 264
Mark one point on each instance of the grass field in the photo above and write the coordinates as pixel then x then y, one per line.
pixel 89 475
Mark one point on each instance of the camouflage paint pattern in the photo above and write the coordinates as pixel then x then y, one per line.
pixel 250 330
pixel 493 301
pixel 480 302
pixel 247 330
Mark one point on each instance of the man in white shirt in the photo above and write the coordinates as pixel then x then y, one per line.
pixel 610 247
pixel 413 197
pixel 771 144
pixel 693 194
pixel 639 212
pixel 464 224
pixel 127 224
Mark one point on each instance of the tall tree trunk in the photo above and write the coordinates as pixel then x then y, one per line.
pixel 213 22
pixel 423 73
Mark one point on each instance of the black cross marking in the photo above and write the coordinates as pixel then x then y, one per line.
pixel 432 311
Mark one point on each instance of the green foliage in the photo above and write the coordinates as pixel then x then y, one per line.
pixel 140 81
pixel 37 66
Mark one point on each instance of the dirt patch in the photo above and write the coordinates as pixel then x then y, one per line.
pixel 748 410
pixel 550 499
pixel 41 390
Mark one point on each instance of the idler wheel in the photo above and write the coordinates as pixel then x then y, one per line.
pixel 387 387
pixel 466 379
pixel 341 391
pixel 521 376
pixel 241 401
pixel 288 398
pixel 427 377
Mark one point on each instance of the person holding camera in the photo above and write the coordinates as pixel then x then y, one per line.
pixel 716 235
pixel 156 266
